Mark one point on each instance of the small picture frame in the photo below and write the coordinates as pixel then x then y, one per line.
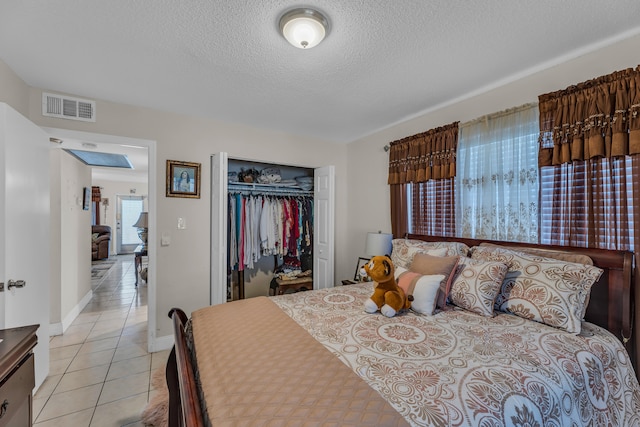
pixel 183 179
pixel 357 277
pixel 86 198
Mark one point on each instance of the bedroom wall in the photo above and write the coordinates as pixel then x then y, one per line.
pixel 71 240
pixel 55 239
pixel 182 275
pixel 369 162
pixel 13 90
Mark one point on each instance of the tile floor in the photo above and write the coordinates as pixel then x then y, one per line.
pixel 100 368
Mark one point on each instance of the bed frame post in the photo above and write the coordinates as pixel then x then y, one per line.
pixel 635 295
pixel 175 409
pixel 184 403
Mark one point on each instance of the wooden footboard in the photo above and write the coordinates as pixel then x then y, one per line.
pixel 184 403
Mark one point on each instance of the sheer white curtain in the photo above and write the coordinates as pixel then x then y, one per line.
pixel 497 176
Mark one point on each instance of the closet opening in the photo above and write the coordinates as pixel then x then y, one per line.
pixel 271 228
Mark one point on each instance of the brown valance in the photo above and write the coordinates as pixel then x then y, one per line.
pixel 596 118
pixel 425 156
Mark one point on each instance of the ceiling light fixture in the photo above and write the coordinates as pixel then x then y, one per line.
pixel 304 28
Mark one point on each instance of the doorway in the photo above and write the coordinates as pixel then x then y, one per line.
pixel 154 343
pixel 128 209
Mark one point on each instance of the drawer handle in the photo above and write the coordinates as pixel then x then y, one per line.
pixel 3 408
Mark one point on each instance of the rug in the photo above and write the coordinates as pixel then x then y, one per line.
pixel 156 413
pixel 99 270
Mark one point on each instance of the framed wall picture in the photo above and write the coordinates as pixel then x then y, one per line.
pixel 183 179
pixel 86 198
pixel 357 276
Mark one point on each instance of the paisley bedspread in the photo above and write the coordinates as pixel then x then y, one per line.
pixel 457 368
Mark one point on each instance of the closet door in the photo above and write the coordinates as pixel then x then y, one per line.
pixel 219 168
pixel 323 227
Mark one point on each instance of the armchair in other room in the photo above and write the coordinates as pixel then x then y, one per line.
pixel 100 241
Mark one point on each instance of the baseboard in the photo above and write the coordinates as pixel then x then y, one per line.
pixel 61 327
pixel 160 343
pixel 55 329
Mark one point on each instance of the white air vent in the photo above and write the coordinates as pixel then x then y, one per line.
pixel 66 107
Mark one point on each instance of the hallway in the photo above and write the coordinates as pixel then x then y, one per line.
pixel 100 368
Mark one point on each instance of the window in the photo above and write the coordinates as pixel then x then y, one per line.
pixel 500 193
pixel 432 207
pixel 589 203
pixel 497 176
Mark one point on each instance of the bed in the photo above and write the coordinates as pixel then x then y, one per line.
pixel 315 358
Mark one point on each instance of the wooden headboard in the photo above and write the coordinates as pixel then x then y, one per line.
pixel 613 297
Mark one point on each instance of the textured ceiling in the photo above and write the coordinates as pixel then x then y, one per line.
pixel 383 61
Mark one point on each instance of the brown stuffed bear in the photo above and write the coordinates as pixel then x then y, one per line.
pixel 387 296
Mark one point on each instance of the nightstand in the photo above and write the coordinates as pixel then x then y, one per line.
pixel 300 284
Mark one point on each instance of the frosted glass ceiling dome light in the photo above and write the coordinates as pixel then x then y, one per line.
pixel 304 28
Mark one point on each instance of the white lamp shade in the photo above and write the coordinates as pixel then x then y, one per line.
pixel 303 28
pixel 143 220
pixel 378 244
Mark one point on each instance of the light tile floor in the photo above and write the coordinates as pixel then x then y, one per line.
pixel 100 369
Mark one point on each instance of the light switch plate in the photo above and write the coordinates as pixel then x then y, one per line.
pixel 182 224
pixel 165 239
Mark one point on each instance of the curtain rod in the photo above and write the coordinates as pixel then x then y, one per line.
pixel 387 147
pixel 499 114
pixel 435 130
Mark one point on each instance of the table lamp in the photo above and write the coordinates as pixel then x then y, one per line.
pixel 378 244
pixel 142 224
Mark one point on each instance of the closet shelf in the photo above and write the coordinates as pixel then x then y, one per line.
pixel 235 187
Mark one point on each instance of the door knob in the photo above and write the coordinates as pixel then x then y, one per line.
pixel 16 284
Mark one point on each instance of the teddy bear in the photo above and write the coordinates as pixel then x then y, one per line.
pixel 387 296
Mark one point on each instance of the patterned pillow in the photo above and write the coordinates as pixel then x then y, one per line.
pixel 477 284
pixel 405 249
pixel 546 290
pixel 549 253
pixel 423 288
pixel 546 253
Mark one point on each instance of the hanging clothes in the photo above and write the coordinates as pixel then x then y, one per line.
pixel 240 204
pixel 232 253
pixel 262 225
pixel 256 253
pixel 248 232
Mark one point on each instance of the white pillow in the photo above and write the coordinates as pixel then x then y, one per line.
pixel 424 289
pixel 441 252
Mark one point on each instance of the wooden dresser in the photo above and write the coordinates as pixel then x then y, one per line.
pixel 17 375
